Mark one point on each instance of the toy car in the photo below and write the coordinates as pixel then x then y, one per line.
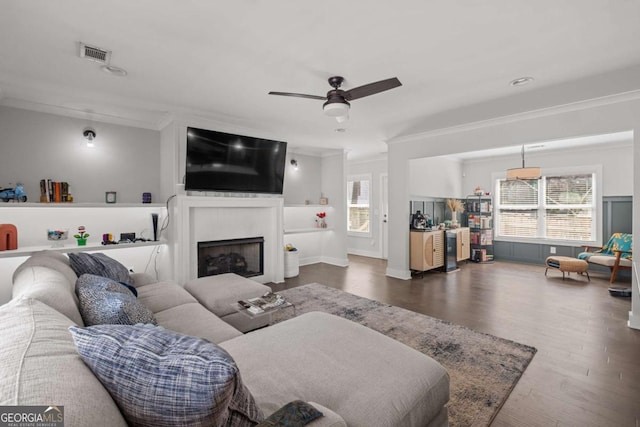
pixel 17 194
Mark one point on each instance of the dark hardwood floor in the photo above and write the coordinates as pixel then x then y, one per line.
pixel 587 369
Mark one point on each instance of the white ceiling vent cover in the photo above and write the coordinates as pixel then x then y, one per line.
pixel 93 53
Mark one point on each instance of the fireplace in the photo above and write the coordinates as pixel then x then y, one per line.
pixel 244 257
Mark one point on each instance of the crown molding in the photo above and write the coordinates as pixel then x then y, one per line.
pixel 148 122
pixel 528 115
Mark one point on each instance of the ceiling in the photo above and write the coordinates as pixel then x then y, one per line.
pixel 218 60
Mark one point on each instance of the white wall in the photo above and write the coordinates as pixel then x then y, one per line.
pixel 616 160
pixel 333 185
pixel 37 146
pixel 435 177
pixel 302 184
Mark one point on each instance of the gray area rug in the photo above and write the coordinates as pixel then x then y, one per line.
pixel 483 368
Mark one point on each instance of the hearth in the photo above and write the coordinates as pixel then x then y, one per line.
pixel 244 257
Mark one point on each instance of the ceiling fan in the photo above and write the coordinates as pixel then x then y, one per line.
pixel 337 100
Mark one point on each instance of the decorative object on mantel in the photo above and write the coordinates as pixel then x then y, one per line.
pixel 320 221
pixel 324 200
pixel 146 197
pixel 478 191
pixel 81 236
pixel 456 206
pixel 56 235
pixel 16 194
pixel 8 237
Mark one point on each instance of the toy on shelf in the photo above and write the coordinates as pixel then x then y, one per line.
pixel 56 235
pixel 18 194
pixel 81 236
pixel 8 237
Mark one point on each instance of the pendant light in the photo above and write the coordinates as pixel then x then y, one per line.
pixel 523 173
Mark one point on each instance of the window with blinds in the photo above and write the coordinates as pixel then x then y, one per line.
pixel 358 204
pixel 559 207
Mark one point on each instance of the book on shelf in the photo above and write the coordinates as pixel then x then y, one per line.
pixel 481 255
pixel 54 191
pixel 478 206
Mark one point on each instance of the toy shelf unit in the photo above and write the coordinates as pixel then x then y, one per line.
pixel 479 210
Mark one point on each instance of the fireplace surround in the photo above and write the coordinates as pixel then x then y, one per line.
pixel 206 218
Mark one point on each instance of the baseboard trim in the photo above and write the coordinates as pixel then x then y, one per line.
pixel 340 262
pixel 398 274
pixel 310 260
pixel 360 252
pixel 634 321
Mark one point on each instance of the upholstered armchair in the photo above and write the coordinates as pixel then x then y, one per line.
pixel 616 254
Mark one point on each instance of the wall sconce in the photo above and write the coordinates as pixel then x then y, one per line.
pixel 294 163
pixel 90 135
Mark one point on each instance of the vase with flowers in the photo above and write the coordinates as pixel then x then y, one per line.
pixel 320 221
pixel 455 206
pixel 81 237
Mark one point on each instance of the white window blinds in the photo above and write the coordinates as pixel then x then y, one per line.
pixel 559 207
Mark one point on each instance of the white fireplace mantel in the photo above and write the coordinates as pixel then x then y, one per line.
pixel 204 218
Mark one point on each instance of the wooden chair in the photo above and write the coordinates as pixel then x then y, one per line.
pixel 615 255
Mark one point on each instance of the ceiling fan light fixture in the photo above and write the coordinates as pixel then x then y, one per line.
pixel 342 119
pixel 336 109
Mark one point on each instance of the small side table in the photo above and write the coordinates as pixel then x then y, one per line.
pixel 568 264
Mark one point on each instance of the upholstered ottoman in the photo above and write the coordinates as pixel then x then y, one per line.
pixel 568 264
pixel 220 293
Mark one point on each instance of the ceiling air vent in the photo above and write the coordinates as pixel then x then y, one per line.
pixel 95 54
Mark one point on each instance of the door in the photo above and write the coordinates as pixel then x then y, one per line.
pixel 384 212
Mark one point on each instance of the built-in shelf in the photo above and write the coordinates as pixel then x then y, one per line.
pixel 80 205
pixel 307 206
pixel 307 230
pixel 29 250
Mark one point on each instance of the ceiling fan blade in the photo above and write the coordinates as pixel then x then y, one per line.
pixel 299 95
pixel 371 88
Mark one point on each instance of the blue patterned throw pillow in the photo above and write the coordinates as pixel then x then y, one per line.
pixel 99 265
pixel 162 378
pixel 105 301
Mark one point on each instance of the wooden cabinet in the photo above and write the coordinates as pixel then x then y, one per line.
pixel 426 250
pixel 463 246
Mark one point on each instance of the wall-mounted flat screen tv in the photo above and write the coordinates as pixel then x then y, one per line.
pixel 224 162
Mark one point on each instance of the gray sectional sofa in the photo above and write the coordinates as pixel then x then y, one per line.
pixel 353 375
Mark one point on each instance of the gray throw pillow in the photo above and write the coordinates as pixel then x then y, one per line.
pixel 105 301
pixel 99 265
pixel 162 378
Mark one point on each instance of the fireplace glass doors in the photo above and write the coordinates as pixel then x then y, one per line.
pixel 244 257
